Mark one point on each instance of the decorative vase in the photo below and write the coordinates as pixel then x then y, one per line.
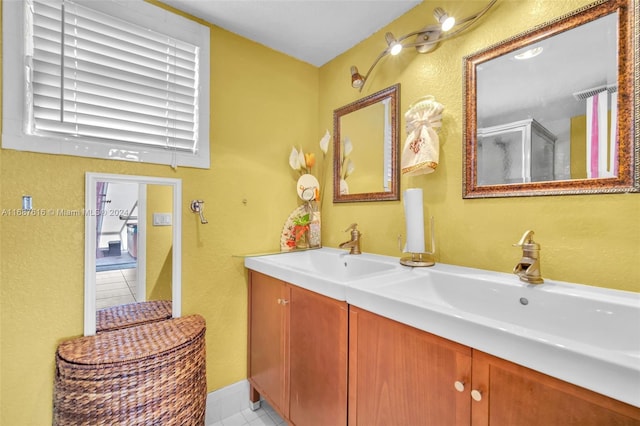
pixel 301 233
pixel 314 230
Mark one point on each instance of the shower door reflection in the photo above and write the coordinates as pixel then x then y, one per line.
pixel 518 152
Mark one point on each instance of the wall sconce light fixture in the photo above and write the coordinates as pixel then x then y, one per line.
pixel 426 39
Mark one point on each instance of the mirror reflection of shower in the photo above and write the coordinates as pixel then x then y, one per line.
pixel 117 244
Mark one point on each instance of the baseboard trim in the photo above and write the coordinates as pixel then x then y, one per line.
pixel 227 401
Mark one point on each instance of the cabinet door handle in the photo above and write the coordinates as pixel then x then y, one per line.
pixel 459 385
pixel 282 301
pixel 476 395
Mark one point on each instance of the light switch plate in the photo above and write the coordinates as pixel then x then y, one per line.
pixel 162 219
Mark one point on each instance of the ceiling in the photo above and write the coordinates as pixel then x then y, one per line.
pixel 312 31
pixel 316 31
pixel 572 61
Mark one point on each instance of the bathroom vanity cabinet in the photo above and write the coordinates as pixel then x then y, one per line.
pixel 421 350
pixel 402 375
pixel 297 352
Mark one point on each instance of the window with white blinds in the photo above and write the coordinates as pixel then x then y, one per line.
pixel 96 81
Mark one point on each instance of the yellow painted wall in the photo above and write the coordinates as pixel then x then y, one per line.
pixel 590 239
pixel 262 103
pixel 159 244
pixel 578 147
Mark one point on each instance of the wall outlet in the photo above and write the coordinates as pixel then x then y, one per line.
pixel 162 219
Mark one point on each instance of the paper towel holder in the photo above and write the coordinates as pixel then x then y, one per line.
pixel 422 259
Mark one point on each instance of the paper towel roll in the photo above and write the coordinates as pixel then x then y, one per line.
pixel 414 219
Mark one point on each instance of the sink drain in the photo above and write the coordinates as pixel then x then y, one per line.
pixel 524 301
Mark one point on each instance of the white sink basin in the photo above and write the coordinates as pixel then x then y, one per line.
pixel 573 312
pixel 326 270
pixel 336 265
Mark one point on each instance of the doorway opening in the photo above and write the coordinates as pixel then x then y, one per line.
pixel 117 231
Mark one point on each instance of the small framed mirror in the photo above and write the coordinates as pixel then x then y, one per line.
pixel 365 160
pixel 133 234
pixel 553 110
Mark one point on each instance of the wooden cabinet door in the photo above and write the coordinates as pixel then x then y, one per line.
pixel 268 342
pixel 399 375
pixel 515 395
pixel 318 359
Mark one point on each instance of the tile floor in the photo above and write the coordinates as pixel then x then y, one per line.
pixel 115 287
pixel 264 416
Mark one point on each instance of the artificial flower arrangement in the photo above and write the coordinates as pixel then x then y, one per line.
pixel 303 162
pixel 306 227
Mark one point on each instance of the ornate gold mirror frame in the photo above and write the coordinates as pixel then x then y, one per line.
pixel 627 178
pixel 365 148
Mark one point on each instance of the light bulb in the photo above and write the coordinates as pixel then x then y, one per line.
pixel 446 22
pixel 357 80
pixel 394 46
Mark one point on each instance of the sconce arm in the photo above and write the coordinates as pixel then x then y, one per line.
pixel 431 34
pixel 373 65
pixel 478 14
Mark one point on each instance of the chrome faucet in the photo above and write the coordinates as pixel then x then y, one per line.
pixel 354 243
pixel 528 269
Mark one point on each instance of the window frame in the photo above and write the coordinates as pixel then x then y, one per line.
pixel 15 115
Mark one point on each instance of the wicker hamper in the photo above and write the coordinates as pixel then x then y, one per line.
pixel 132 314
pixel 152 374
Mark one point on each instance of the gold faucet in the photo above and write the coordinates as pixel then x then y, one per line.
pixel 528 269
pixel 354 242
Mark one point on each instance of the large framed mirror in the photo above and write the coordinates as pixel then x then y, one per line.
pixel 132 242
pixel 554 110
pixel 365 159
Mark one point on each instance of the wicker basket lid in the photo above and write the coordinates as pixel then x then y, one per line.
pixel 133 343
pixel 132 314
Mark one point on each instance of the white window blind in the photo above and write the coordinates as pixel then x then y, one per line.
pixel 111 79
pixel 92 76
